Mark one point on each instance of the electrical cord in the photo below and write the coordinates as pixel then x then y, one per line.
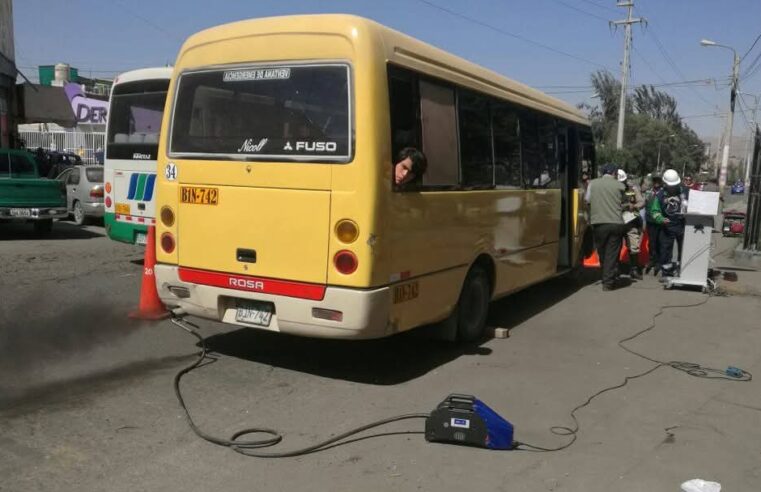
pixel 246 447
pixel 689 368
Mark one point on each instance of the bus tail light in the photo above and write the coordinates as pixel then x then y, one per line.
pixel 167 216
pixel 328 314
pixel 346 262
pixel 347 231
pixel 108 201
pixel 108 187
pixel 167 242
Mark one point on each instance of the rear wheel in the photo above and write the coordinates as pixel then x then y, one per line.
pixel 43 226
pixel 79 213
pixel 473 305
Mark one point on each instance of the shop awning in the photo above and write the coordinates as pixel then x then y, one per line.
pixel 44 104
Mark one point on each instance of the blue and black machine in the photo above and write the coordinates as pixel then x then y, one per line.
pixel 464 419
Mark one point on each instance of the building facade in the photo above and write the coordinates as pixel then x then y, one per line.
pixel 7 74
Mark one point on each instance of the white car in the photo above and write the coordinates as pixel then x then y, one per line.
pixel 84 192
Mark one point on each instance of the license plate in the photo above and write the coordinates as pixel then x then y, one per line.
pixel 199 196
pixel 141 239
pixel 21 212
pixel 254 313
pixel 122 208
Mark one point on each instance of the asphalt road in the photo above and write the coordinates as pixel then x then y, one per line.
pixel 86 399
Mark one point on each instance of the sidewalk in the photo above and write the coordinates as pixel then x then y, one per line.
pixel 748 281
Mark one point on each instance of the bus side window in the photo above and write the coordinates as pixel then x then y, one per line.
pixel 437 104
pixel 476 155
pixel 587 155
pixel 404 106
pixel 539 146
pixel 507 146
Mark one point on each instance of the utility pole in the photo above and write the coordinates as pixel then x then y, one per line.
pixel 730 122
pixel 627 23
pixel 751 144
pixel 727 138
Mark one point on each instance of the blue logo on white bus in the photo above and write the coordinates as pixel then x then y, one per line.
pixel 141 187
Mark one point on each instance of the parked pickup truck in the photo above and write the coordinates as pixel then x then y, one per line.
pixel 24 196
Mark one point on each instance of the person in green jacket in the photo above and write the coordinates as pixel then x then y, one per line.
pixel 667 210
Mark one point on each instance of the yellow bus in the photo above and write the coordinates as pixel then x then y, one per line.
pixel 276 198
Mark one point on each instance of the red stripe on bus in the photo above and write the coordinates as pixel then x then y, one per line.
pixel 314 292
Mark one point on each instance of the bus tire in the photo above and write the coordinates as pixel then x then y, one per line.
pixel 473 305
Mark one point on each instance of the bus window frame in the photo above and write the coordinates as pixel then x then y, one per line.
pixel 285 159
pixel 401 71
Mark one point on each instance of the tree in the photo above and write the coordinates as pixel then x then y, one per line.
pixel 653 132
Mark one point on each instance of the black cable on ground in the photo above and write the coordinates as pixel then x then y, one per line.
pixel 246 447
pixel 689 368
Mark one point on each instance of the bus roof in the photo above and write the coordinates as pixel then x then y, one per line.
pixel 400 49
pixel 144 74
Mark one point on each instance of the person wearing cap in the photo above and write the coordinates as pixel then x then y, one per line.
pixel 633 203
pixel 653 228
pixel 605 196
pixel 667 210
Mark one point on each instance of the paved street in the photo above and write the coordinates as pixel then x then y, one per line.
pixel 86 400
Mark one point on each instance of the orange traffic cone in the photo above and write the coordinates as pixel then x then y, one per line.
pixel 644 249
pixel 151 307
pixel 623 255
pixel 592 261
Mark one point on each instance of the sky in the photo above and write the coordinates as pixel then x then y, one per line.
pixel 553 45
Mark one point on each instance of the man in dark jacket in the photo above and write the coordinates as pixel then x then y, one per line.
pixel 605 196
pixel 667 210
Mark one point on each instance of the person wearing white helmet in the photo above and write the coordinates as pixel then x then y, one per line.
pixel 667 210
pixel 633 203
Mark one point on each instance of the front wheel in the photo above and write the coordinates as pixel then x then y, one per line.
pixel 473 305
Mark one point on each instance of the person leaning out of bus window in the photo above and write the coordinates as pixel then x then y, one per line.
pixel 410 166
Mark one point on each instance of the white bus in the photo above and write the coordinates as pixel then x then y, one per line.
pixel 135 112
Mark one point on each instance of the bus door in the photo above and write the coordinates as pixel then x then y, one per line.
pixel 565 176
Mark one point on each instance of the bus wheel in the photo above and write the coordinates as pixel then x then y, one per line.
pixel 473 305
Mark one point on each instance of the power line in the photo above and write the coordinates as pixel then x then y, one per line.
pixel 590 2
pixel 752 68
pixel 673 64
pixel 590 14
pixel 751 48
pixel 510 34
pixel 174 37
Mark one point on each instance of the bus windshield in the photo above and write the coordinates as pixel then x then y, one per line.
pixel 298 112
pixel 135 120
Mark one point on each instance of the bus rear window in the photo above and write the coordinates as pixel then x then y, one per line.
pixel 134 120
pixel 298 112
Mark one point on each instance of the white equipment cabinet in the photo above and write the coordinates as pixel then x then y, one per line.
pixel 702 206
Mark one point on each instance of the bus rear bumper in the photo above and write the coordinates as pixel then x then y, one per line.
pixel 365 313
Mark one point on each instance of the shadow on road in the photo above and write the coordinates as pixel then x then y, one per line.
pixel 386 361
pixel 61 230
pixel 517 308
